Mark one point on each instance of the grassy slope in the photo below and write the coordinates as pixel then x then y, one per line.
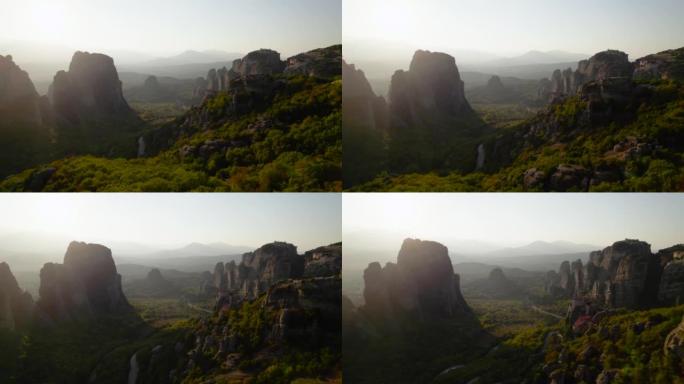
pixel 302 153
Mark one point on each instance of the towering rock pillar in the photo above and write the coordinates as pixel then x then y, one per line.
pixel 85 285
pixel 422 282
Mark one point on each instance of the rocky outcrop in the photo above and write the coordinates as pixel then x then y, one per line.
pixel 666 65
pixel 365 124
pixel 323 261
pixel 494 85
pixel 295 300
pixel 671 289
pixel 625 274
pixel 431 85
pixel 16 306
pixel 25 120
pixel 421 283
pixel 261 62
pixel 496 285
pixel 674 343
pixel 89 90
pixel 322 62
pixel 362 107
pixel 606 70
pixel 269 265
pixel 84 286
pixel 18 96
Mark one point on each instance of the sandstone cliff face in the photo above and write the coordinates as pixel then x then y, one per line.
pixel 625 274
pixel 422 283
pixel 16 306
pixel 431 85
pixel 85 285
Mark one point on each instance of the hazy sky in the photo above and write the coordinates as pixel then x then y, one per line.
pixel 637 27
pixel 173 26
pixel 306 220
pixel 516 219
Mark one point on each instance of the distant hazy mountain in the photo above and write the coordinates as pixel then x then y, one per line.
pixel 199 249
pixel 538 57
pixel 194 57
pixel 183 264
pixel 543 248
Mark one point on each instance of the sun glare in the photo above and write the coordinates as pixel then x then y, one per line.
pixel 48 21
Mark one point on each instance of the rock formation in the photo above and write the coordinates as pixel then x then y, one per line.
pixel 18 96
pixel 497 285
pixel 421 283
pixel 294 299
pixel 666 65
pixel 674 343
pixel 432 85
pixel 362 108
pixel 323 261
pixel 295 310
pixel 85 285
pixel 16 306
pixel 625 274
pixel 268 265
pixel 365 123
pixel 494 85
pixel 671 289
pixel 322 62
pixel 607 70
pixel 25 120
pixel 90 89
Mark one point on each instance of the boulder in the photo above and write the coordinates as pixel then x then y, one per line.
pixel 534 178
pixel 569 177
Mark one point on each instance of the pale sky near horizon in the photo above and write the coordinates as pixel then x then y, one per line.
pixel 307 220
pixel 167 27
pixel 506 219
pixel 506 27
